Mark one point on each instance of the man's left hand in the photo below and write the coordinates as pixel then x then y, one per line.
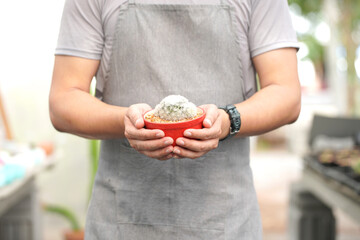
pixel 197 142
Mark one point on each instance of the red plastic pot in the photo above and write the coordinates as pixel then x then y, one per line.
pixel 177 129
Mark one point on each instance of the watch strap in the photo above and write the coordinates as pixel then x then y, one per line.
pixel 235 120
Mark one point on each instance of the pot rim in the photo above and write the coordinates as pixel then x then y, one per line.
pixel 175 123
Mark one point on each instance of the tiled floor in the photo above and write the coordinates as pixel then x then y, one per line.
pixel 274 171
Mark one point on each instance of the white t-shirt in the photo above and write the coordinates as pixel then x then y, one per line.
pixel 88 26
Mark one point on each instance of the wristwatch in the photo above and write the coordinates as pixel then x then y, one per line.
pixel 235 120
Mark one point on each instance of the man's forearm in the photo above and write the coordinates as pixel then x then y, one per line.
pixel 270 108
pixel 77 112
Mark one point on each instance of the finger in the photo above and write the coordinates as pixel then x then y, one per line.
pixel 212 113
pixel 205 133
pixel 185 153
pixel 135 114
pixel 160 153
pixel 143 134
pixel 171 155
pixel 196 145
pixel 151 145
pixel 131 132
pixel 202 134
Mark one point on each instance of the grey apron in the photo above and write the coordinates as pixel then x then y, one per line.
pixel 160 50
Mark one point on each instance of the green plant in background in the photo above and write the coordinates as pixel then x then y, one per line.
pixel 349 30
pixel 65 213
pixel 308 6
pixel 356 167
pixel 316 54
pixel 94 162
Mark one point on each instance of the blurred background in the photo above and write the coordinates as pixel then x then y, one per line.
pixel 329 70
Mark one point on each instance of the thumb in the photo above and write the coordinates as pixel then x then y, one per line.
pixel 136 113
pixel 211 115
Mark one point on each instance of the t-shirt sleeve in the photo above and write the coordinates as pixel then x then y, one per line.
pixel 270 27
pixel 81 33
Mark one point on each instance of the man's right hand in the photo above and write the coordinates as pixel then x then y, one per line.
pixel 151 143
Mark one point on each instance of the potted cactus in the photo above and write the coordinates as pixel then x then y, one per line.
pixel 174 114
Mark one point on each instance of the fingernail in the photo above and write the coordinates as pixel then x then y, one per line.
pixel 180 142
pixel 187 134
pixel 208 122
pixel 137 122
pixel 168 142
pixel 159 134
pixel 169 150
pixel 177 151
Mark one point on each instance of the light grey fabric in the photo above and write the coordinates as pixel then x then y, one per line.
pixel 88 26
pixel 189 50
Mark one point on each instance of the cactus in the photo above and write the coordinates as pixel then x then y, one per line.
pixel 175 108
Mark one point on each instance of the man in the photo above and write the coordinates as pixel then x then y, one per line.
pixel 143 50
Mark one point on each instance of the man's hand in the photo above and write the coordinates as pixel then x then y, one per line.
pixel 198 142
pixel 151 143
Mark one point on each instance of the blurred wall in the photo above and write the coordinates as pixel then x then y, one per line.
pixel 29 31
